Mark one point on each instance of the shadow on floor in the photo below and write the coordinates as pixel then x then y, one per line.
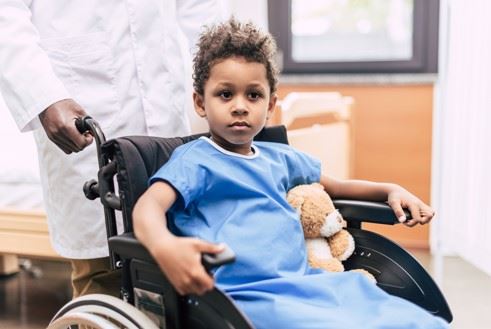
pixel 29 302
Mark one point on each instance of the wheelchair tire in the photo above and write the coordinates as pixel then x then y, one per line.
pixel 100 311
pixel 82 320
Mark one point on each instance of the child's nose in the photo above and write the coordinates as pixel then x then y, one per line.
pixel 240 107
pixel 239 111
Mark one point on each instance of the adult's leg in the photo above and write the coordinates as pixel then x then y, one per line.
pixel 94 276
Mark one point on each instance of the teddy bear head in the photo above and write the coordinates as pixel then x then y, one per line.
pixel 317 212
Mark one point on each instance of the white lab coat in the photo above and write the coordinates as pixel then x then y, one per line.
pixel 127 63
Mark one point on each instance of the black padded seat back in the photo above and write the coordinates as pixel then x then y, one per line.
pixel 139 157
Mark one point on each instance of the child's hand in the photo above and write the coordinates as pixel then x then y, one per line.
pixel 421 212
pixel 180 259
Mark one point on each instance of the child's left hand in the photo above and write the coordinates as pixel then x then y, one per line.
pixel 421 213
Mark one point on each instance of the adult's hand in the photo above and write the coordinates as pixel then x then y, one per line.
pixel 58 121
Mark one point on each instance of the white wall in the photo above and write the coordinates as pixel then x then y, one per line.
pixel 253 10
pixel 462 134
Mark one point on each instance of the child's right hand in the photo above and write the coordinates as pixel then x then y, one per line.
pixel 180 259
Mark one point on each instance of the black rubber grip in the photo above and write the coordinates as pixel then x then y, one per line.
pixel 82 124
pixel 211 261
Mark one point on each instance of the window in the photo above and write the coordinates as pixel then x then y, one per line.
pixel 356 36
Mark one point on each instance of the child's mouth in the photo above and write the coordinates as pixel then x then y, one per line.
pixel 240 125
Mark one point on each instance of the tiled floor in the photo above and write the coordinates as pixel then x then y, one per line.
pixel 27 302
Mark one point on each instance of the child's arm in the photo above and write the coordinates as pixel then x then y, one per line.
pixel 178 257
pixel 396 196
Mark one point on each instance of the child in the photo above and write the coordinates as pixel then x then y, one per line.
pixel 229 189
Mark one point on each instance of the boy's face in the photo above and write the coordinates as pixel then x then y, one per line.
pixel 236 102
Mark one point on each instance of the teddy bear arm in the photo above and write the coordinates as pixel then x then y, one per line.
pixel 319 256
pixel 342 245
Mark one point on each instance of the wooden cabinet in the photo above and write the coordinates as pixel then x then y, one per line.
pixel 391 141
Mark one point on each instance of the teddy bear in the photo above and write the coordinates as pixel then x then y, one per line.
pixel 327 242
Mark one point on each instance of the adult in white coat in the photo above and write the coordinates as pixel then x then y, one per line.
pixel 124 62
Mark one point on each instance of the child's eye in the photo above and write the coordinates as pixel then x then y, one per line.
pixel 254 95
pixel 225 94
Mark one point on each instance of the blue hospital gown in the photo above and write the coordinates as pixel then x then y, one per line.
pixel 241 200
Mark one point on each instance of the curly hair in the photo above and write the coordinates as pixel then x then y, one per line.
pixel 229 39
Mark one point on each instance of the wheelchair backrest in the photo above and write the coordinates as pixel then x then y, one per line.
pixel 139 157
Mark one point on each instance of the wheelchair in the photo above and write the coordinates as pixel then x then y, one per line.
pixel 148 300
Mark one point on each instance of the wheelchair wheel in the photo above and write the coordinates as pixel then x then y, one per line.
pixel 99 311
pixel 82 320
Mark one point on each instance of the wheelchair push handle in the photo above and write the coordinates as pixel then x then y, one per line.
pixel 211 261
pixel 82 124
pixel 87 124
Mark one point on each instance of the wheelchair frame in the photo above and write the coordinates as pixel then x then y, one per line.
pixel 144 285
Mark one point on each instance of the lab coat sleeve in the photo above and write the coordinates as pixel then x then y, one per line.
pixel 193 15
pixel 27 80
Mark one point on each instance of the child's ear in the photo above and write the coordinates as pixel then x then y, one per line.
pixel 271 105
pixel 199 104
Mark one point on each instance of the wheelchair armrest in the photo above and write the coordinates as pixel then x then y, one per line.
pixel 127 246
pixel 367 211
